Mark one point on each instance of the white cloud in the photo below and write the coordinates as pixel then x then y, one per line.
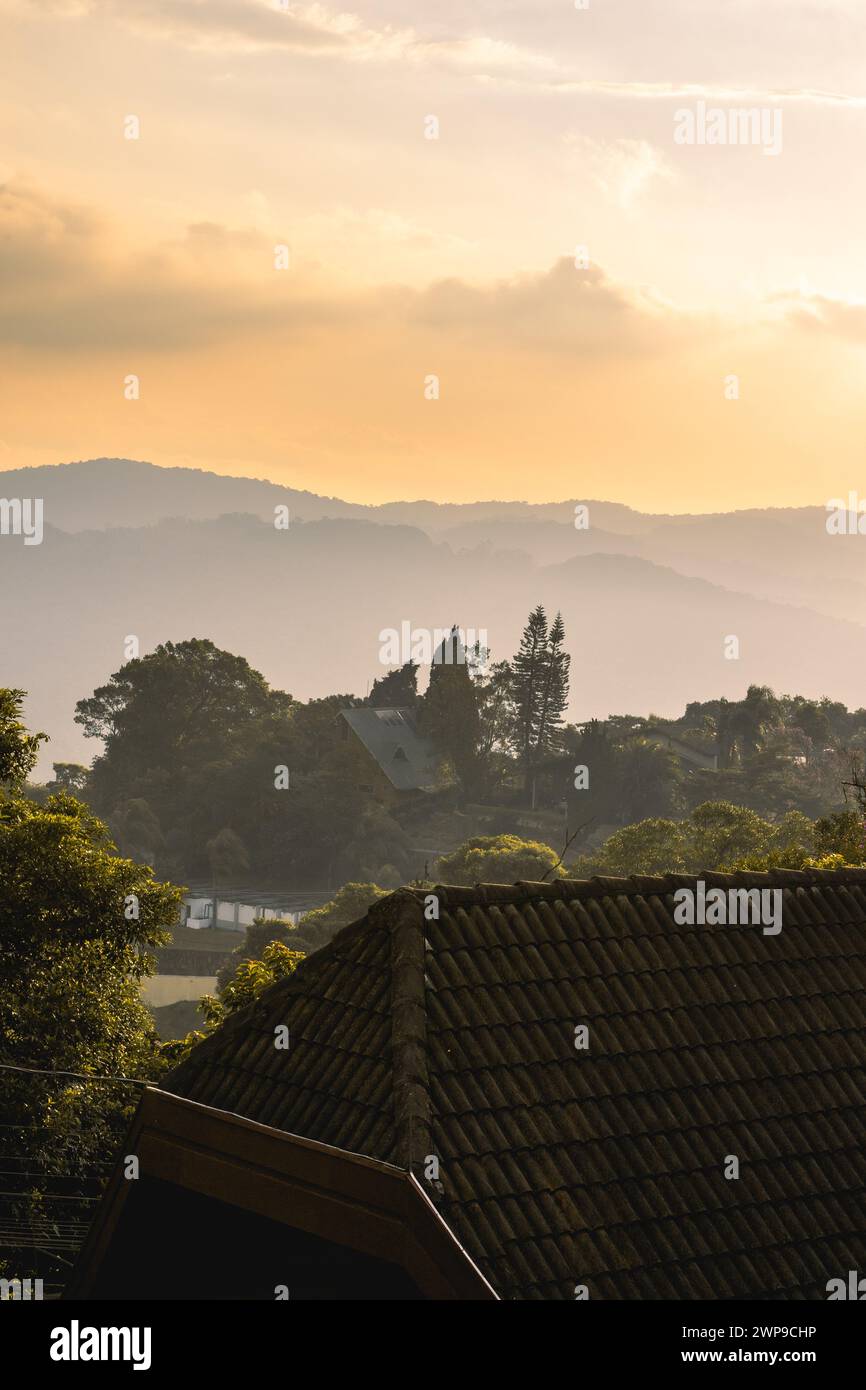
pixel 70 282
pixel 622 169
pixel 671 91
pixel 842 315
pixel 233 26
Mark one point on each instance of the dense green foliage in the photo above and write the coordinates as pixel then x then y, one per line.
pixel 193 742
pixel 194 738
pixel 449 715
pixel 18 748
pixel 251 977
pixel 496 859
pixel 718 836
pixel 775 754
pixel 77 928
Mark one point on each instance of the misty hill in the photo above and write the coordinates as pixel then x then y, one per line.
pixel 306 607
pixel 99 493
pixel 785 556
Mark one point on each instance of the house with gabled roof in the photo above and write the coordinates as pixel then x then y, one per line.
pixel 399 759
pixel 537 1091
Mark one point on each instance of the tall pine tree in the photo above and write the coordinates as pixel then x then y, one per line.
pixel 529 669
pixel 541 669
pixel 554 692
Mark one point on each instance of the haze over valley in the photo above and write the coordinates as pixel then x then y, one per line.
pixel 648 601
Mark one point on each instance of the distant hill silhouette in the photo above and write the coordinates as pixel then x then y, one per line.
pixel 647 601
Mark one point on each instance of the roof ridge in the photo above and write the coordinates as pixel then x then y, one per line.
pixel 527 890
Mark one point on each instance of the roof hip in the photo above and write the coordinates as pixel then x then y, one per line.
pixel 403 915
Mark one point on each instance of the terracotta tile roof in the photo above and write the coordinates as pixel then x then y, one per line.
pixel 604 1167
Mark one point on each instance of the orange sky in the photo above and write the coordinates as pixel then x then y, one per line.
pixel 265 124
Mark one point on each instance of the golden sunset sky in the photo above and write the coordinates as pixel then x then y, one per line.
pixel 263 124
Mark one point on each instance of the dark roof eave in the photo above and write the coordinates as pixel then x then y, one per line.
pixel 299 1182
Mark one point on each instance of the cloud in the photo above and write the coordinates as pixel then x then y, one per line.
pixel 622 169
pixel 261 25
pixel 563 310
pixel 234 24
pixel 71 282
pixel 538 65
pixel 670 91
pixel 811 309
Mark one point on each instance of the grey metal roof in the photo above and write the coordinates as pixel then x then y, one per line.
pixel 389 735
pixel 255 895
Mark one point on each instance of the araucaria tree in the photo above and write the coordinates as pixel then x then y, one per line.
pixel 540 685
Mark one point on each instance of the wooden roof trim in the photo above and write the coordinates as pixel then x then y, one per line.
pixel 350 1199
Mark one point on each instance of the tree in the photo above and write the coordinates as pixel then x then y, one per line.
pixel 449 714
pixel 257 937
pixel 743 726
pixel 593 796
pixel 653 846
pixel 496 859
pixel 529 671
pixel 77 927
pixel 195 734
pixel 721 834
pixel 69 777
pixel 716 837
pixel 494 687
pixel 554 692
pixel 397 689
pixel 136 830
pixel 375 839
pixel 184 707
pixel 649 779
pixel 180 696
pixel 318 926
pixel 227 855
pixel 18 748
pixel 540 670
pixel 814 720
pixel 252 976
pixel 277 962
pixel 842 832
